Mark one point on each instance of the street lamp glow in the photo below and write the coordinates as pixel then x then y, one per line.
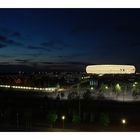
pixel 63 120
pixel 106 87
pixel 123 121
pixel 91 88
pixel 63 117
pixel 134 85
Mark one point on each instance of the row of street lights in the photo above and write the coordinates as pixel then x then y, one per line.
pixel 117 86
pixel 123 121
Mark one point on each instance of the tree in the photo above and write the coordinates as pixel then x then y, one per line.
pixel 76 119
pixel 73 95
pixel 58 97
pixel 52 117
pixel 104 88
pixel 117 88
pixel 62 94
pixel 28 117
pixel 134 94
pixel 104 119
pixel 87 94
pixel 101 96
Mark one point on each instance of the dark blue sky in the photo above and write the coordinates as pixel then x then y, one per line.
pixel 45 39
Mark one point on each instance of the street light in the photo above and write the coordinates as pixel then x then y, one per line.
pixel 123 121
pixel 91 88
pixel 63 119
pixel 134 85
pixel 106 87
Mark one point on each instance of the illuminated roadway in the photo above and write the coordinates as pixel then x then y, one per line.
pixel 49 89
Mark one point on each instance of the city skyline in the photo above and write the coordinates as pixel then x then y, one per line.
pixel 68 39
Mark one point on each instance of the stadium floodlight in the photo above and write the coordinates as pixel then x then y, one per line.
pixel 110 69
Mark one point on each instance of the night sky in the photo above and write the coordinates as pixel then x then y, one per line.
pixel 68 39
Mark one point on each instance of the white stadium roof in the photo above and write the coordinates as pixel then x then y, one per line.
pixel 110 69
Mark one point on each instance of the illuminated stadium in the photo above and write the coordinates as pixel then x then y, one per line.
pixel 110 69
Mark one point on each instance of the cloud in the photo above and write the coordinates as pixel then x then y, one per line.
pixel 10 32
pixel 4 63
pixel 76 63
pixel 48 63
pixel 74 55
pixel 34 47
pixel 66 63
pixel 15 43
pixel 5 41
pixel 38 48
pixel 2 45
pixel 5 31
pixel 3 38
pixel 33 54
pixel 4 56
pixel 54 44
pixel 16 34
pixel 22 60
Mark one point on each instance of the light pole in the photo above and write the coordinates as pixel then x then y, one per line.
pixel 63 119
pixel 123 121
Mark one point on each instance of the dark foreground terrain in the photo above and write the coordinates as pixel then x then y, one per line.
pixel 27 111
